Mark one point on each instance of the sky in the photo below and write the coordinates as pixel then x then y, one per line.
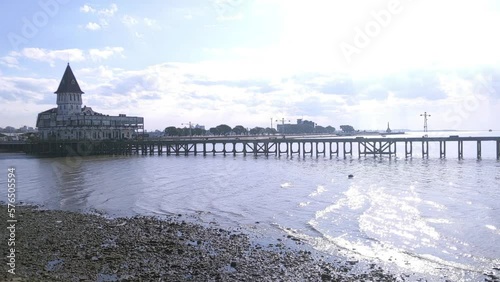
pixel 253 62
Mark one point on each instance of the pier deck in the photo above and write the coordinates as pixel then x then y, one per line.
pixel 278 146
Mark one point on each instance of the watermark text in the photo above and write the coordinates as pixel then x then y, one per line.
pixel 11 220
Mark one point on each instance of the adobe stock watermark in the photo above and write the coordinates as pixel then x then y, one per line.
pixel 11 219
pixel 31 25
pixel 363 36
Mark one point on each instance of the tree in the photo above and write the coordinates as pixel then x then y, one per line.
pixel 198 131
pixel 254 131
pixel 257 130
pixel 330 129
pixel 214 131
pixel 33 137
pixel 223 129
pixel 185 131
pixel 319 129
pixel 269 130
pixel 171 131
pixel 347 128
pixel 239 129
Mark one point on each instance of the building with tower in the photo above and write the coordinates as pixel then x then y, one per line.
pixel 71 121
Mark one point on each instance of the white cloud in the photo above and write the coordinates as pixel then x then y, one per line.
pixel 26 90
pixel 212 93
pixel 129 20
pixel 235 17
pixel 28 96
pixel 103 54
pixel 103 23
pixel 109 12
pixel 93 26
pixel 69 55
pixel 199 91
pixel 228 10
pixel 103 14
pixel 50 56
pixel 87 9
pixel 149 22
pixel 10 62
pixel 134 23
pixel 103 72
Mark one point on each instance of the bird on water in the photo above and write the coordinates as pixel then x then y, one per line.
pixel 350 176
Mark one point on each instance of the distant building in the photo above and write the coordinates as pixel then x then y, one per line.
pixel 302 126
pixel 10 136
pixel 156 133
pixel 69 121
pixel 4 137
pixel 197 126
pixel 10 129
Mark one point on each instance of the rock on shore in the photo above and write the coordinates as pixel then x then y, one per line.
pixel 67 246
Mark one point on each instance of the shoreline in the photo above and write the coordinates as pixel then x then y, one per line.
pixel 54 245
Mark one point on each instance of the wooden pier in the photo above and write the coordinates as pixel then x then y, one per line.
pixel 273 146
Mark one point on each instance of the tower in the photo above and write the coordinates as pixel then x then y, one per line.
pixel 69 94
pixel 425 115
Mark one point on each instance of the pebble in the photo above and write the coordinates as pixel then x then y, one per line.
pixel 91 247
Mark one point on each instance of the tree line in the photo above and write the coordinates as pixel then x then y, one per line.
pixel 11 129
pixel 224 129
pixel 221 130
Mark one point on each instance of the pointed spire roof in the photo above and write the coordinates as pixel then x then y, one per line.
pixel 68 83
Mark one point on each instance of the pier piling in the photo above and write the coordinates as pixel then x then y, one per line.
pixel 336 151
pixel 425 148
pixel 460 149
pixel 498 149
pixel 347 152
pixel 478 150
pixel 408 149
pixel 442 149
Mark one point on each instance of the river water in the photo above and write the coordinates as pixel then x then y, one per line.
pixel 438 218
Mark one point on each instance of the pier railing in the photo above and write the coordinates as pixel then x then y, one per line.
pixel 277 146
